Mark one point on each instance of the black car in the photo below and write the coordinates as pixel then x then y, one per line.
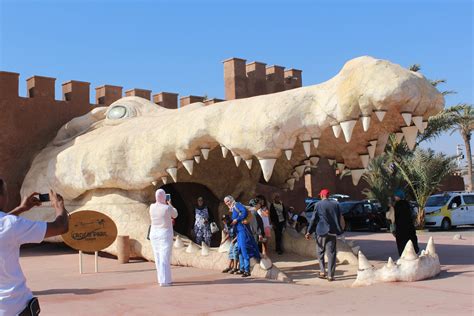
pixel 363 215
pixel 309 209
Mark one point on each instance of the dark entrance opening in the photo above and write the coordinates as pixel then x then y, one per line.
pixel 184 198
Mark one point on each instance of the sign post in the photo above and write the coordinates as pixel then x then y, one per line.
pixel 90 231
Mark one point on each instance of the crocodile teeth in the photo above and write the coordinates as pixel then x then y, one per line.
pixel 331 161
pixel 192 248
pixel 418 120
pixel 188 164
pixel 365 122
pixel 409 252
pixel 380 115
pixel 425 124
pixel 237 160
pixel 390 263
pixel 347 128
pixel 164 180
pixel 364 264
pixel 300 170
pixel 224 151
pixel 204 249
pixel 314 160
pixel 173 172
pixel 307 148
pixel 291 183
pixel 371 148
pixel 356 175
pixel 407 118
pixel 410 133
pixel 288 153
pixel 248 162
pixel 307 162
pixel 315 142
pixel 178 243
pixel 398 137
pixel 336 130
pixel 205 153
pixel 430 247
pixel 365 160
pixel 197 159
pixel 267 167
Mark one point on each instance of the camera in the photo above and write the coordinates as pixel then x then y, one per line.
pixel 44 197
pixel 168 197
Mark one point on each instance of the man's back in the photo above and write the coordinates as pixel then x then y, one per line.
pixel 327 213
pixel 15 231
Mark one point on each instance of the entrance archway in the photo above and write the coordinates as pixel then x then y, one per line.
pixel 184 198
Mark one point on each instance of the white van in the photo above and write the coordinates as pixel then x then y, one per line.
pixel 449 209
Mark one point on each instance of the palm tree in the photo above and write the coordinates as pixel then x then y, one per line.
pixel 459 118
pixel 423 171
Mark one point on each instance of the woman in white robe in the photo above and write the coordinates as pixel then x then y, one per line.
pixel 161 235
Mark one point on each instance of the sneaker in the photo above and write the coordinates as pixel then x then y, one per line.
pixel 239 272
pixel 245 274
pixel 233 271
pixel 330 279
pixel 226 270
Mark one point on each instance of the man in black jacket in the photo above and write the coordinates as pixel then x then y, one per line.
pixel 279 217
pixel 404 228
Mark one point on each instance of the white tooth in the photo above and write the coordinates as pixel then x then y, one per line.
pixel 237 160
pixel 341 166
pixel 399 137
pixel 288 153
pixel 266 264
pixel 371 148
pixel 331 161
pixel 315 142
pixel 154 183
pixel 380 115
pixel 178 243
pixel 409 252
pixel 336 130
pixel 307 148
pixel 407 118
pixel 390 263
pixel 430 247
pixel 192 248
pixel 204 249
pixel 423 253
pixel 267 167
pixel 356 175
pixel 291 183
pixel 364 264
pixel 314 160
pixel 164 179
pixel 205 153
pixel 188 164
pixel 224 151
pixel 410 133
pixel 173 172
pixel 249 163
pixel 365 123
pixel 425 124
pixel 347 128
pixel 307 162
pixel 295 175
pixel 418 120
pixel 355 250
pixel 365 160
pixel 197 159
pixel 300 170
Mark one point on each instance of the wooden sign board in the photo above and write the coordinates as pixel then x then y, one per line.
pixel 90 231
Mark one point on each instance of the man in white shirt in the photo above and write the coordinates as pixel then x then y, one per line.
pixel 15 231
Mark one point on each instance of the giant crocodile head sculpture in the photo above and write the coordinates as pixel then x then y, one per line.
pixel 108 159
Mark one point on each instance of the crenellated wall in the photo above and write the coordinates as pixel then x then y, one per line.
pixel 243 80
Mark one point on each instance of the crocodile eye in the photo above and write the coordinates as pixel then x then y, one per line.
pixel 117 112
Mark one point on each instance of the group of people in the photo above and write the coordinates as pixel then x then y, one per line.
pixel 248 229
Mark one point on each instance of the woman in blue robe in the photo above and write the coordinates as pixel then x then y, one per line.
pixel 247 246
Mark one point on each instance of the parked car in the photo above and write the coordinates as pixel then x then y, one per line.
pixel 363 215
pixel 449 209
pixel 339 197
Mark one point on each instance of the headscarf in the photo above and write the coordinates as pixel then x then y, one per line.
pixel 160 196
pixel 399 193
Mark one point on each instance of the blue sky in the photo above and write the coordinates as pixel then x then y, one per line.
pixel 178 46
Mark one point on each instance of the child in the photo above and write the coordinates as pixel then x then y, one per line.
pixel 233 251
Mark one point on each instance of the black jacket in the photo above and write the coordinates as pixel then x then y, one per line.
pixel 274 215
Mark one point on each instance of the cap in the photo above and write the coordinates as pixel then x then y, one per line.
pixel 324 192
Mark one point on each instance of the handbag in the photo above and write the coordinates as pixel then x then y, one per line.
pixel 148 234
pixel 214 228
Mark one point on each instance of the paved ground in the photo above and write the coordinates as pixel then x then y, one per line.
pixel 131 289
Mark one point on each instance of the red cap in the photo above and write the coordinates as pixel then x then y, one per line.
pixel 324 192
